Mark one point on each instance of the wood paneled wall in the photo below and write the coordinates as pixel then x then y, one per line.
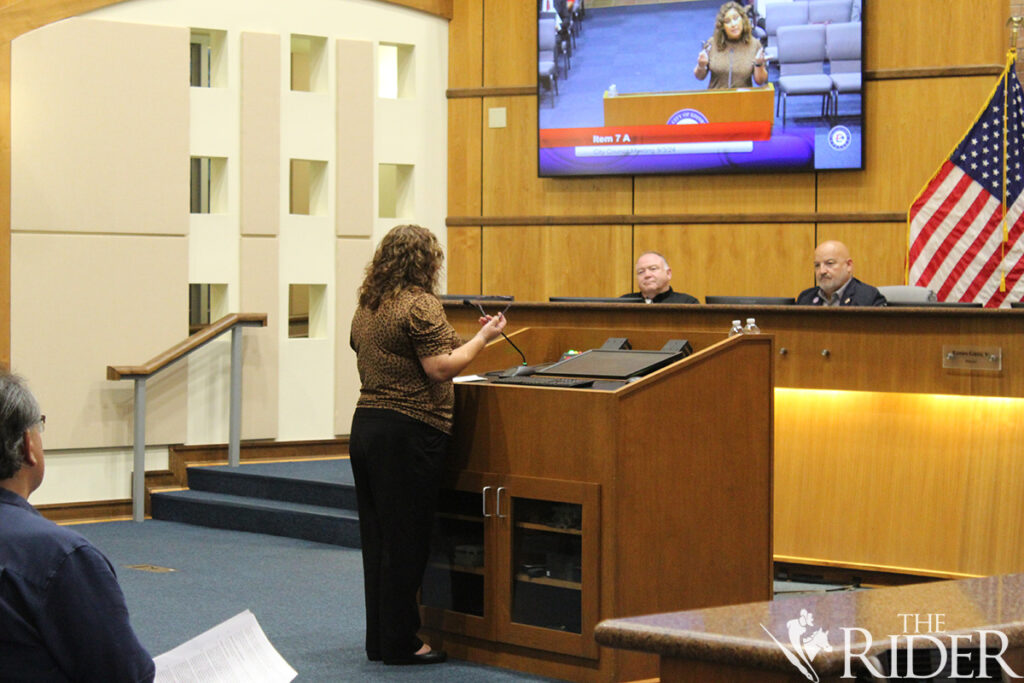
pixel 510 232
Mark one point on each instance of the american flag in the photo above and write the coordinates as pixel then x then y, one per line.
pixel 959 245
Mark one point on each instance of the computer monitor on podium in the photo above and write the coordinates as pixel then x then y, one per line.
pixel 612 363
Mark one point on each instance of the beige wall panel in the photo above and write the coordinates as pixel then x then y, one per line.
pixel 83 302
pixel 464 126
pixel 912 126
pixel 730 259
pixel 466 44
pixel 727 194
pixel 832 449
pixel 355 109
pixel 922 33
pixel 260 147
pixel 535 262
pixel 510 34
pixel 463 263
pixel 509 177
pixel 260 346
pixel 351 257
pixel 879 250
pixel 84 156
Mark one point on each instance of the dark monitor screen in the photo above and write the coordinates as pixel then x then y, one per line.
pixel 612 364
pixel 751 300
pixel 1017 304
pixel 593 300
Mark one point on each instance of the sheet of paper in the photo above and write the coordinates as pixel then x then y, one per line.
pixel 469 378
pixel 236 650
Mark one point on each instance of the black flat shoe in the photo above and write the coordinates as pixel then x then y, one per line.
pixel 431 657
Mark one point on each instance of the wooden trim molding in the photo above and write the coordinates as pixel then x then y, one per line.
pixel 672 219
pixel 873 75
pixel 510 91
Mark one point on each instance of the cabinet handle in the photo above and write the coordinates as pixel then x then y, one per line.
pixel 498 506
pixel 483 500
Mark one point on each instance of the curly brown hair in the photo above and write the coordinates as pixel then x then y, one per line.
pixel 720 38
pixel 409 257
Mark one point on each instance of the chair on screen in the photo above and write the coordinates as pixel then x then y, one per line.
pixel 829 11
pixel 802 66
pixel 843 46
pixel 547 68
pixel 907 294
pixel 777 15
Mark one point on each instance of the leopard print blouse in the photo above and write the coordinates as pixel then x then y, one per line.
pixel 389 343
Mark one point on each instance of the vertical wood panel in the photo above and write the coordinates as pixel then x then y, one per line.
pixel 260 124
pixel 464 157
pixel 354 174
pixel 466 45
pixel 743 193
pixel 923 33
pixel 510 43
pixel 535 262
pixel 733 260
pixel 463 262
pixel 912 125
pixel 509 174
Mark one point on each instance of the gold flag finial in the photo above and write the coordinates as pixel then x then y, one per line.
pixel 1015 24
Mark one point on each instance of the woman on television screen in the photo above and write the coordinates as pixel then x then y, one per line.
pixel 733 57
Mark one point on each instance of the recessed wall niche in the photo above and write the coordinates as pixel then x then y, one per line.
pixel 307 187
pixel 208 179
pixel 395 191
pixel 309 64
pixel 207 303
pixel 208 64
pixel 396 71
pixel 307 311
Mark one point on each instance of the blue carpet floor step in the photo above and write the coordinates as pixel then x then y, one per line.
pixel 312 500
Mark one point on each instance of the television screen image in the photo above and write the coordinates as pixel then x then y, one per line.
pixel 699 86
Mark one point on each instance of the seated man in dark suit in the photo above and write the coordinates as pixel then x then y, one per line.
pixel 652 278
pixel 833 271
pixel 62 613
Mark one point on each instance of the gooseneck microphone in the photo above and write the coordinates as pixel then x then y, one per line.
pixel 477 306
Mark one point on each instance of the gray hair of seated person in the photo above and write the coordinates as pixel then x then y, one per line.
pixel 19 411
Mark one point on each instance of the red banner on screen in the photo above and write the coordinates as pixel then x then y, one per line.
pixel 653 135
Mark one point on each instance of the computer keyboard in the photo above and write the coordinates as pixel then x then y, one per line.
pixel 545 381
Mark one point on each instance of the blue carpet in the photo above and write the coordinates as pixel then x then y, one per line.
pixel 308 597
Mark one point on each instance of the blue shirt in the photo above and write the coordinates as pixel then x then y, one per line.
pixel 62 613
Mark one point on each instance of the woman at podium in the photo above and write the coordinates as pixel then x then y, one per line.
pixel 407 355
pixel 733 57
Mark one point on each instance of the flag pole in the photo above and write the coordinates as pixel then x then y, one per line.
pixel 1015 24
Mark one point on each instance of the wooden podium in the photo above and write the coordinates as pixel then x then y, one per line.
pixel 719 106
pixel 564 507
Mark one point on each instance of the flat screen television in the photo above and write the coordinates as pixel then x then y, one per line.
pixel 750 300
pixel 612 363
pixel 620 93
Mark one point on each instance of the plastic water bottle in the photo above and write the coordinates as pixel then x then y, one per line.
pixel 612 91
pixel 751 327
pixel 736 328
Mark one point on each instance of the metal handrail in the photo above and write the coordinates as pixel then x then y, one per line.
pixel 140 373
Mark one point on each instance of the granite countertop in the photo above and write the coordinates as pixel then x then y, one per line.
pixel 735 635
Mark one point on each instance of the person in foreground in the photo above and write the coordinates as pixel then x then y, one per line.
pixel 833 271
pixel 62 614
pixel 653 276
pixel 733 57
pixel 407 354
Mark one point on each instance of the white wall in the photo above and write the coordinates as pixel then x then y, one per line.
pixel 314 379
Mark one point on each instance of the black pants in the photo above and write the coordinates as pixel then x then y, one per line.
pixel 397 463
